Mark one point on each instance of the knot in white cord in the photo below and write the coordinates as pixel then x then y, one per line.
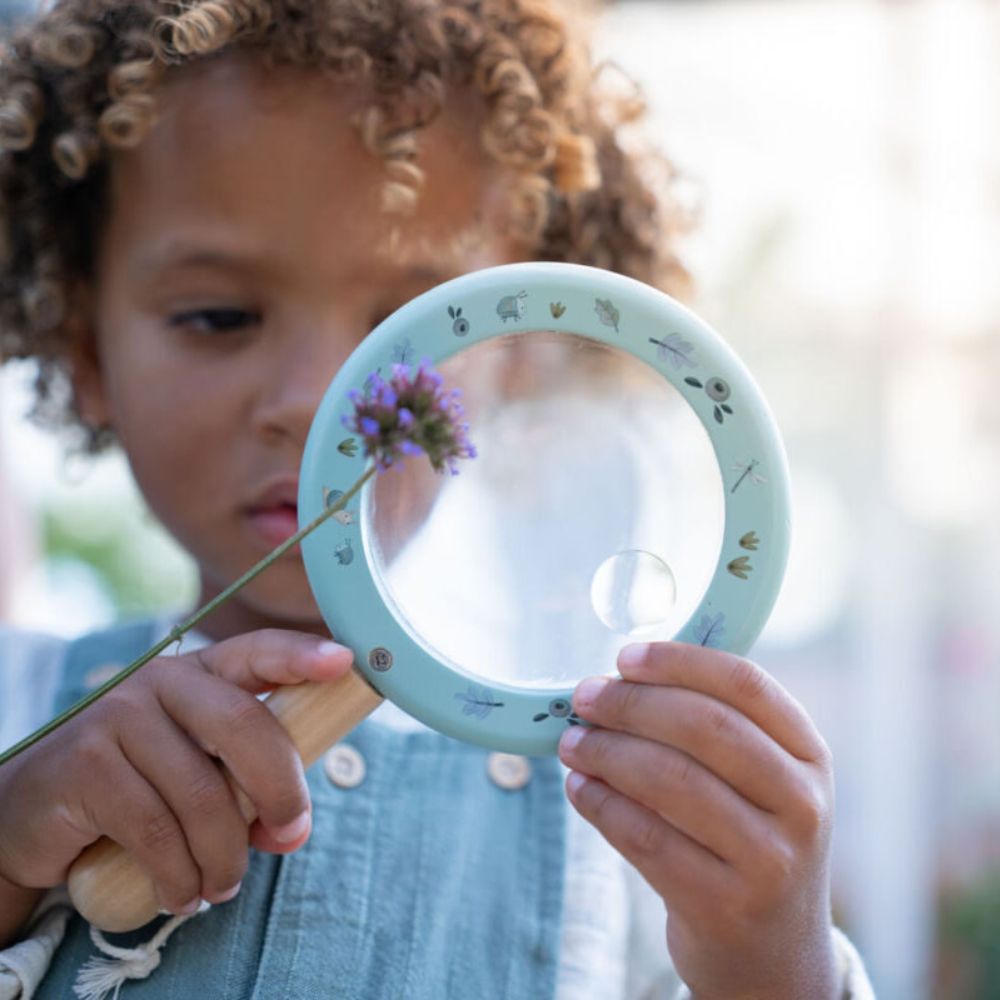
pixel 101 977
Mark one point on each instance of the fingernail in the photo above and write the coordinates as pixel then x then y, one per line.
pixel 188 908
pixel 292 831
pixel 632 656
pixel 224 897
pixel 574 782
pixel 589 690
pixel 328 648
pixel 570 739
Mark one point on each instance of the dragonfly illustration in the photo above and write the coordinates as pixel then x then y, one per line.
pixel 478 700
pixel 746 471
pixel 675 349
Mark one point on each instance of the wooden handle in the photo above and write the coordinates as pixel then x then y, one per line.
pixel 106 884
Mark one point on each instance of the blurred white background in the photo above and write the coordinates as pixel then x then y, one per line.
pixel 846 159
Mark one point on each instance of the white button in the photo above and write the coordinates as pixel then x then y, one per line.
pixel 97 676
pixel 344 766
pixel 507 770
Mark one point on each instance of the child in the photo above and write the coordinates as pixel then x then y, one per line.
pixel 206 205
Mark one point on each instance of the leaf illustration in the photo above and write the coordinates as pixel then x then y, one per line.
pixel 675 349
pixel 478 701
pixel 718 415
pixel 693 381
pixel 710 630
pixel 740 567
pixel 750 541
pixel 607 313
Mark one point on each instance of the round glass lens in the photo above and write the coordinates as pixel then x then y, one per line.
pixel 593 514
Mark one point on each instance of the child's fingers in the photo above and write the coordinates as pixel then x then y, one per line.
pixel 678 868
pixel 233 725
pixel 262 839
pixel 730 679
pixel 259 661
pixel 674 786
pixel 137 817
pixel 194 789
pixel 714 733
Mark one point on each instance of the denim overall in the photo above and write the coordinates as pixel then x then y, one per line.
pixel 426 880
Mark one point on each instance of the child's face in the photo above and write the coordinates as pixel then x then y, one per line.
pixel 243 259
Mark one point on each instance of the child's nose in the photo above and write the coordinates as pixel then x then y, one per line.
pixel 295 381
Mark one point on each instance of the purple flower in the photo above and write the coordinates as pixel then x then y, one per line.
pixel 410 414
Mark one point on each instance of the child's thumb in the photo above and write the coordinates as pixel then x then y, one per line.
pixel 259 661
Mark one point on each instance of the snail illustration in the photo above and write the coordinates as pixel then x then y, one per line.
pixel 512 306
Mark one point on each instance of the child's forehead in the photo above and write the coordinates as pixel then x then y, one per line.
pixel 239 83
pixel 236 100
pixel 262 156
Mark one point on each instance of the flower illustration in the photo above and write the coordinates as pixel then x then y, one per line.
pixel 411 414
pixel 717 389
pixel 461 326
pixel 559 708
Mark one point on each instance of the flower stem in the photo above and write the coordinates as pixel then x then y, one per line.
pixel 179 630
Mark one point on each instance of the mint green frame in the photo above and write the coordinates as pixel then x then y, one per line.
pixel 605 307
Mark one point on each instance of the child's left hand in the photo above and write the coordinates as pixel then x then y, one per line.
pixel 714 783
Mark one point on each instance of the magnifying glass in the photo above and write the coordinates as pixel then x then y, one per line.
pixel 630 485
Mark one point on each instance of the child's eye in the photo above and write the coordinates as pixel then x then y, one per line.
pixel 215 320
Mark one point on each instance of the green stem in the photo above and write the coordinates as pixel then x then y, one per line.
pixel 179 630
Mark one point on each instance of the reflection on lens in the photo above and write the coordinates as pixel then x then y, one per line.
pixel 633 591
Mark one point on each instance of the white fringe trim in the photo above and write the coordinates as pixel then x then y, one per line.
pixel 103 977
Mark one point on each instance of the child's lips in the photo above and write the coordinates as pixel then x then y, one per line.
pixel 272 515
pixel 273 524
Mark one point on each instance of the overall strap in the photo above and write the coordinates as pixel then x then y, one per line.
pixel 96 657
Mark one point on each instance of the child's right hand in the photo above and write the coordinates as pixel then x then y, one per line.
pixel 141 766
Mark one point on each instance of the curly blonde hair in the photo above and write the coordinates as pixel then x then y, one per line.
pixel 82 79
